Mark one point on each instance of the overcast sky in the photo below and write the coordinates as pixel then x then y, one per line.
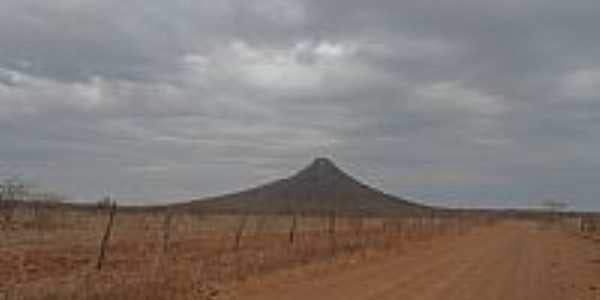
pixel 456 102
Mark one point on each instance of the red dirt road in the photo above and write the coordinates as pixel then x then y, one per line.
pixel 516 261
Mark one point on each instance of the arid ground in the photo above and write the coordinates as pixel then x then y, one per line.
pixel 55 253
pixel 515 260
pixel 186 256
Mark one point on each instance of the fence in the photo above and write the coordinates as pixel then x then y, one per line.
pixel 189 249
pixel 586 225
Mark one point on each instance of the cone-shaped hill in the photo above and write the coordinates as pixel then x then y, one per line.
pixel 319 188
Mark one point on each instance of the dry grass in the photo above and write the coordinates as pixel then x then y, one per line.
pixel 184 256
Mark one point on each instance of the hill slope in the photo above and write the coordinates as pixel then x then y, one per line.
pixel 319 188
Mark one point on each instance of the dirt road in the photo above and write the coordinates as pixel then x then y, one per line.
pixel 509 261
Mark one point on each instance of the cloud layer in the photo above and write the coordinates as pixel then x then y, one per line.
pixel 462 102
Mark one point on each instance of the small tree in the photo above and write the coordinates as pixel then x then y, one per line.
pixel 554 208
pixel 12 191
pixel 104 203
pixel 42 203
pixel 16 192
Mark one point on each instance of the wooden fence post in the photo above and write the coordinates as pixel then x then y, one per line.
pixel 240 232
pixel 293 229
pixel 331 231
pixel 167 231
pixel 105 238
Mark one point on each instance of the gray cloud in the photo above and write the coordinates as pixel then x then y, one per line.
pixel 479 103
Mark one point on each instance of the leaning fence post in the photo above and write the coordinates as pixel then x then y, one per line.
pixel 104 242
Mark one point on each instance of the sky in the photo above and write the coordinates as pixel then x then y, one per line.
pixel 462 103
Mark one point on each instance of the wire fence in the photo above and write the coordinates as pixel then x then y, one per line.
pixel 45 245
